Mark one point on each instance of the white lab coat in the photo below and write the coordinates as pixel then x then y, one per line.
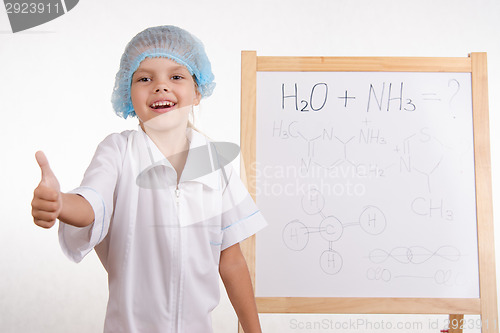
pixel 160 247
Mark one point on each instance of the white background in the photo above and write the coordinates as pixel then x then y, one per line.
pixel 55 87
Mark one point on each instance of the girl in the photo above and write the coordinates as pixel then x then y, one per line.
pixel 161 221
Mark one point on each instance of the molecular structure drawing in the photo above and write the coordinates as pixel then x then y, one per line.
pixel 417 156
pixel 419 152
pixel 296 235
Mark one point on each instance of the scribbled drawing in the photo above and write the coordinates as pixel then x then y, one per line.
pixel 296 234
pixel 372 220
pixel 431 97
pixel 313 202
pixel 453 83
pixel 331 229
pixel 432 208
pixel 337 146
pixel 344 158
pixel 423 153
pixel 310 143
pixel 346 98
pixel 407 153
pixel 391 98
pixel 440 277
pixel 340 153
pixel 414 254
pixel 366 121
pixel 331 262
pixel 378 274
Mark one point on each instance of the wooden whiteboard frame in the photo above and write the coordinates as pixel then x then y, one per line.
pixel 486 304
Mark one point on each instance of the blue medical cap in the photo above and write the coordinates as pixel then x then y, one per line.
pixel 167 42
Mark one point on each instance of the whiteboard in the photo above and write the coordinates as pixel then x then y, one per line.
pixel 367 181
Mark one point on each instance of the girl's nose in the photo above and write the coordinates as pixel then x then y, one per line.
pixel 161 86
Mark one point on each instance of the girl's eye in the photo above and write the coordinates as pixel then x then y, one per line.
pixel 144 79
pixel 176 77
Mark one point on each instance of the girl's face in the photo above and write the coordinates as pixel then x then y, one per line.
pixel 161 86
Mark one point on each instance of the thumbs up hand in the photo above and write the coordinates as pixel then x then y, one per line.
pixel 47 200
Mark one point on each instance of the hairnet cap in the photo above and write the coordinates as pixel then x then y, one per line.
pixel 164 41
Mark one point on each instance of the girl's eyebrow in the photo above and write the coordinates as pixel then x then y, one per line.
pixel 153 69
pixel 140 71
pixel 178 67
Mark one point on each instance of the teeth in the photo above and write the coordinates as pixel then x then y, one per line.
pixel 162 103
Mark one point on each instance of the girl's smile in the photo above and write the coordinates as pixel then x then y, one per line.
pixel 162 106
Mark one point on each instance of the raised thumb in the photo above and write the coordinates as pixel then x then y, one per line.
pixel 48 177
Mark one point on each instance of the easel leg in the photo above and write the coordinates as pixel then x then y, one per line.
pixel 456 322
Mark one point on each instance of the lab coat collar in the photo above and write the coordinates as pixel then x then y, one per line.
pixel 196 140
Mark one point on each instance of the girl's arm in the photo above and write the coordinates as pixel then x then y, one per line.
pixel 234 273
pixel 76 210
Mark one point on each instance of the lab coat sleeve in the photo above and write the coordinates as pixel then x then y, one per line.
pixel 97 188
pixel 240 217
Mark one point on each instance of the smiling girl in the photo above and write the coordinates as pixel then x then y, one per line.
pixel 164 241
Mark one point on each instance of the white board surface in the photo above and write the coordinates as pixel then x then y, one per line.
pixel 367 181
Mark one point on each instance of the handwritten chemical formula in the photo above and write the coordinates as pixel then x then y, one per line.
pixel 387 97
pixel 365 175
